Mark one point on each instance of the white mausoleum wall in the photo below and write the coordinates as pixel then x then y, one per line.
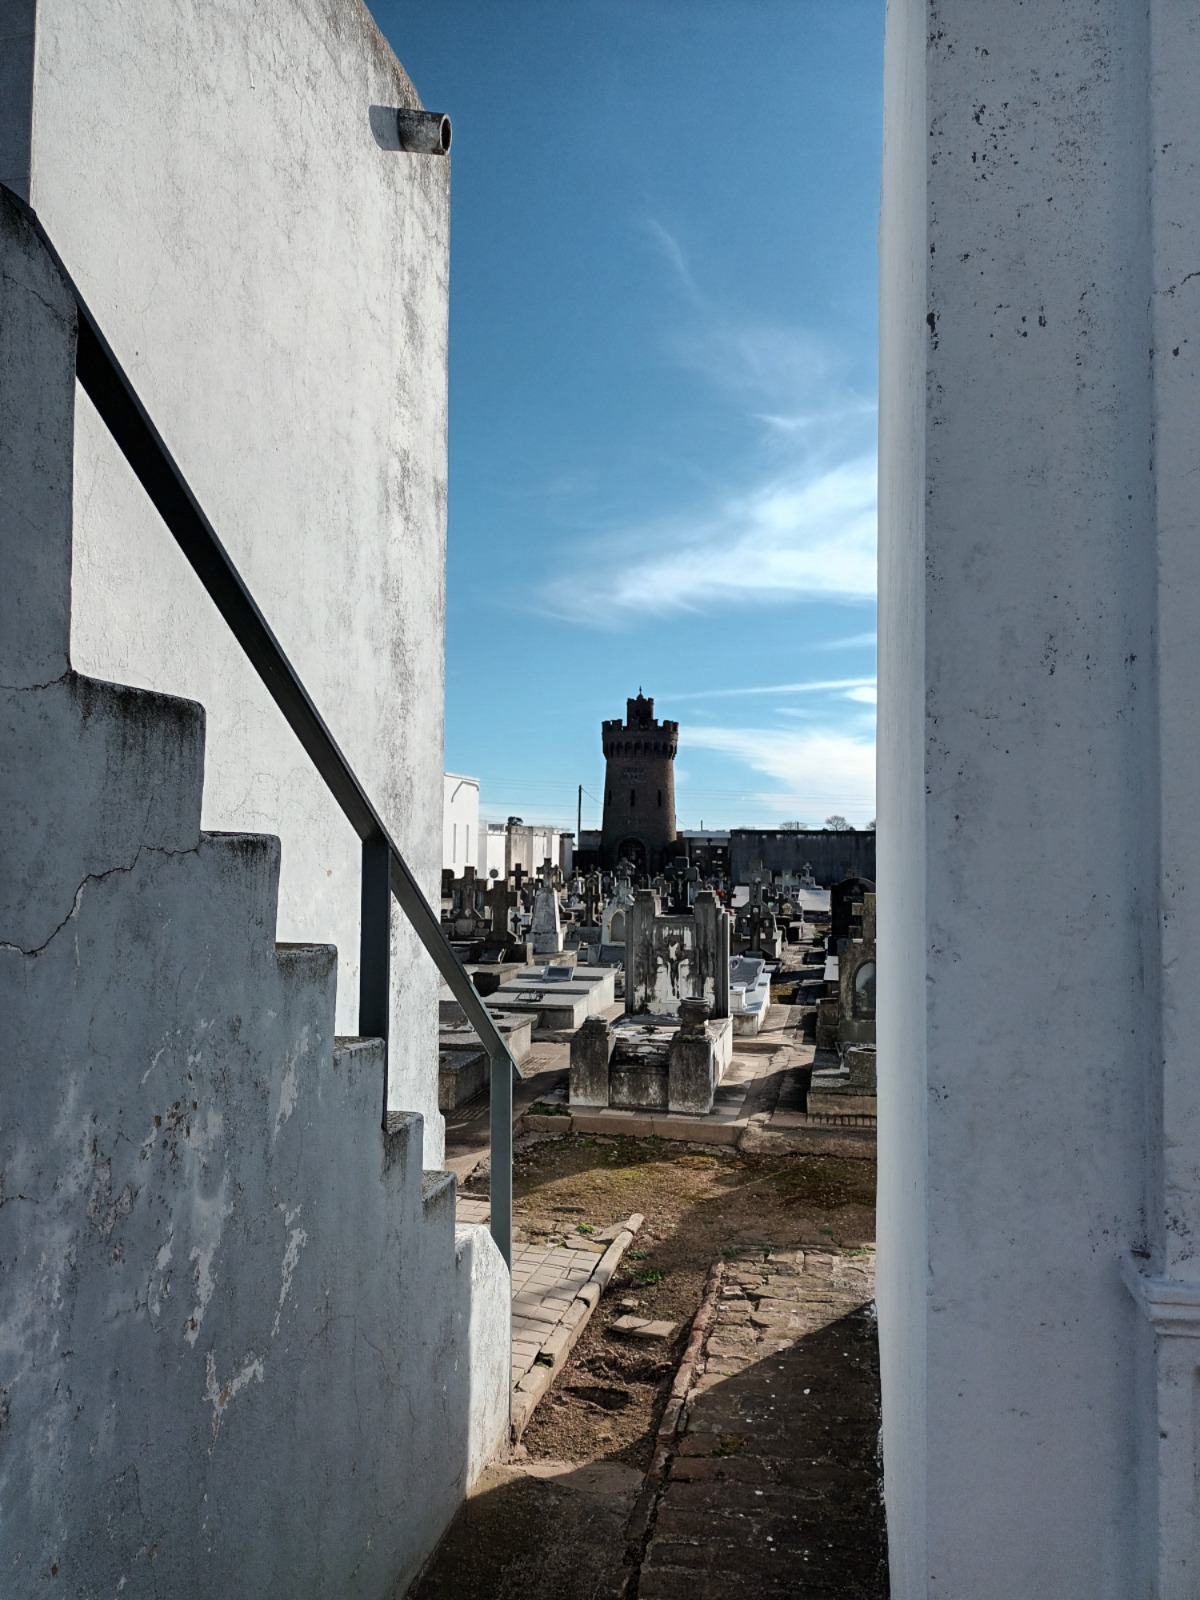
pixel 273 276
pixel 1038 1022
pixel 460 822
pixel 493 843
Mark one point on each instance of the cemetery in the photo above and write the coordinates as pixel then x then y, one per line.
pixel 519 1200
pixel 662 987
pixel 655 979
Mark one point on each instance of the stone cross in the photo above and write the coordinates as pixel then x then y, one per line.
pixel 757 873
pixel 501 900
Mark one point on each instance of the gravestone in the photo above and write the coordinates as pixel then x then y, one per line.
pixel 856 978
pixel 468 916
pixel 501 902
pixel 677 956
pixel 546 927
pixel 613 917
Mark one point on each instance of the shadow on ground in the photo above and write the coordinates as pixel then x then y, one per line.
pixel 547 1532
pixel 774 1490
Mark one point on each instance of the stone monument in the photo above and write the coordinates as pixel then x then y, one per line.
pixel 546 928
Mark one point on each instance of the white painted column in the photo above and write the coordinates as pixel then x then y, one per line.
pixel 1168 1288
pixel 901 1268
pixel 1020 1016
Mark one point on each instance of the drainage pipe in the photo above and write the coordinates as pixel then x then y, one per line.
pixel 424 133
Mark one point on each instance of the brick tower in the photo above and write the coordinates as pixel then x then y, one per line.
pixel 639 788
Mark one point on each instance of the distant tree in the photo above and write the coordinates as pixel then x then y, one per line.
pixel 791 827
pixel 837 823
pixel 871 825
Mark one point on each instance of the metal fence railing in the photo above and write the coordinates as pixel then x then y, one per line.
pixel 384 870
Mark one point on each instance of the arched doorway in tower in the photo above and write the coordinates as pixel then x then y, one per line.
pixel 633 851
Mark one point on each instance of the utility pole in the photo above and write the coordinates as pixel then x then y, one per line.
pixel 579 817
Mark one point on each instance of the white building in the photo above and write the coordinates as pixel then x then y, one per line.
pixel 1039 859
pixel 236 1255
pixel 504 846
pixel 461 843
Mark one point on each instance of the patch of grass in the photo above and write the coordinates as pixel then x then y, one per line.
pixel 642 1279
pixel 635 1255
pixel 585 1227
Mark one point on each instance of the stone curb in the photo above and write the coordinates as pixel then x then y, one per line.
pixel 557 1346
pixel 754 1136
pixel 542 1122
pixel 856 1143
pixel 641 1519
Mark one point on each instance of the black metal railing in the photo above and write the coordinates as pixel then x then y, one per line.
pixel 384 870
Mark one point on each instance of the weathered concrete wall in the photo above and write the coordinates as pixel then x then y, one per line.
pixel 242 1350
pixel 832 854
pixel 1169 1288
pixel 1024 670
pixel 222 183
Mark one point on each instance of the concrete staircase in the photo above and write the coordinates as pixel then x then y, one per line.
pixel 243 1350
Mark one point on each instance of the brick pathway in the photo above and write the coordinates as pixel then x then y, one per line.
pixel 556 1287
pixel 766 1478
pixel 546 1280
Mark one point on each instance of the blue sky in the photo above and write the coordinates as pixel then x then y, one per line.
pixel 662 392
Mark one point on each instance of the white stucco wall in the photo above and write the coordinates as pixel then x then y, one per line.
pixel 460 822
pixel 244 1348
pixel 493 841
pixel 1039 673
pixel 274 279
pixel 900 787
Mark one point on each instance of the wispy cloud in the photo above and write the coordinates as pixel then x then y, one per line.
pixel 818 771
pixel 801 522
pixel 854 688
pixel 806 422
pixel 672 251
pixel 790 381
pixel 559 486
pixel 852 641
pixel 800 536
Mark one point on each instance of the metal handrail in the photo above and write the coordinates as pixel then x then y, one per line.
pixel 384 870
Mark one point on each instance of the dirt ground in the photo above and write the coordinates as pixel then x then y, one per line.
pixel 699 1203
pixel 551 1526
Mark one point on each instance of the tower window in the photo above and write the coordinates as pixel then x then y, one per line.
pixel 632 799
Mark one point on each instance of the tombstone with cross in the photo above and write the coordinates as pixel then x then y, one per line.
pixel 501 902
pixel 468 905
pixel 546 927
